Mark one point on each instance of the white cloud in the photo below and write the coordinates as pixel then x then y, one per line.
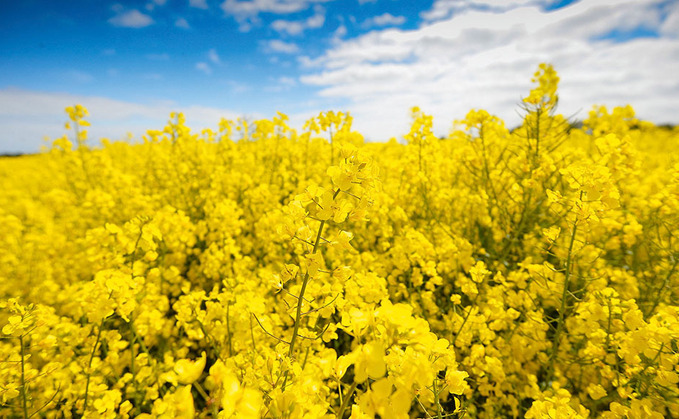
pixel 28 116
pixel 281 84
pixel 292 27
pixel 254 7
pixel 182 23
pixel 131 19
pixel 339 33
pixel 670 27
pixel 244 26
pixel 198 4
pixel 278 46
pixel 213 56
pixel 442 9
pixel 108 52
pixel 204 67
pixel 481 58
pixel 386 19
pixel 152 5
pixel 246 12
pixel 296 27
pixel 317 20
pixel 287 81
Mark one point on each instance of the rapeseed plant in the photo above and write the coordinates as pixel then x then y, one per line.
pixel 256 271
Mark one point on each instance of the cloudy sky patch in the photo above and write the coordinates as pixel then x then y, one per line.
pixel 374 58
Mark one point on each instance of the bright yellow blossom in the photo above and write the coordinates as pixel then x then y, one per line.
pixel 189 371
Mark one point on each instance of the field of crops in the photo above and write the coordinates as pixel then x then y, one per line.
pixel 258 271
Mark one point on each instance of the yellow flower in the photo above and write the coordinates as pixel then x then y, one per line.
pixel 239 402
pixel 667 378
pixel 596 391
pixel 311 263
pixel 342 176
pixel 189 371
pixel 370 362
pixel 552 233
pixel 342 241
pixel 455 380
pixel 289 272
pixel 479 272
pixel 182 402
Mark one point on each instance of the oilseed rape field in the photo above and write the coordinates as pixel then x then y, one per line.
pixel 256 271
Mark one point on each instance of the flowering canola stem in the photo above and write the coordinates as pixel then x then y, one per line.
pixel 300 298
pixel 559 325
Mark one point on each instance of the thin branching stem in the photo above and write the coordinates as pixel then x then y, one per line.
pixel 345 402
pixel 89 364
pixel 24 397
pixel 562 308
pixel 300 299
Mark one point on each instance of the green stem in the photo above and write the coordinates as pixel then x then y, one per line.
pixel 662 288
pixel 89 365
pixel 466 317
pixel 24 402
pixel 81 151
pixel 298 314
pixel 254 345
pixel 439 413
pixel 332 147
pixel 210 402
pixel 562 308
pixel 210 339
pixel 133 367
pixel 300 297
pixel 305 281
pixel 345 402
pixel 228 329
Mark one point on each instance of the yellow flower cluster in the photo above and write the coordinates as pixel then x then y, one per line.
pixel 258 271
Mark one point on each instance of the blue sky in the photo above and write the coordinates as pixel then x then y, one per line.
pixel 132 62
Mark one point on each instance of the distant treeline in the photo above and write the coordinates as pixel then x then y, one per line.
pixel 14 154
